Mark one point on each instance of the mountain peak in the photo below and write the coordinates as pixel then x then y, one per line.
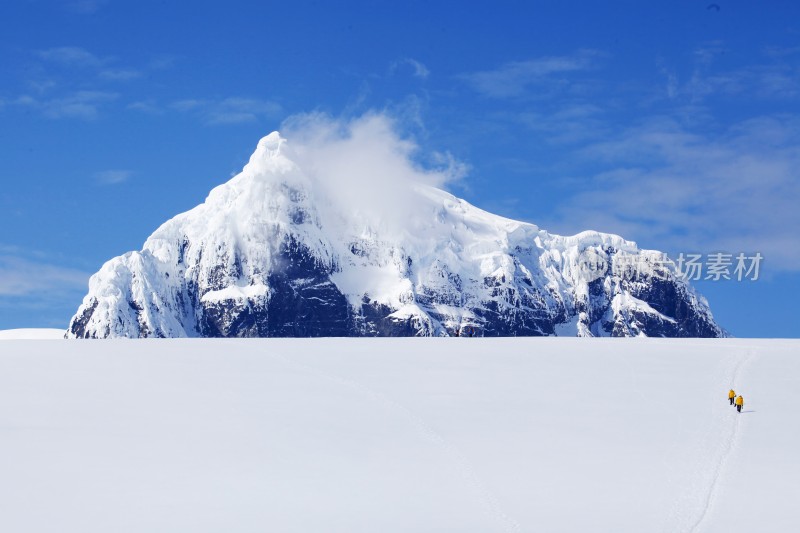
pixel 269 254
pixel 271 144
pixel 270 154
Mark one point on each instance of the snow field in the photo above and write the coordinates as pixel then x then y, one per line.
pixel 298 435
pixel 31 334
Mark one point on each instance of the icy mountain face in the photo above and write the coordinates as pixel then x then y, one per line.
pixel 267 255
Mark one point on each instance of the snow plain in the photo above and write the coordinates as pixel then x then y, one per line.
pixel 31 333
pixel 398 435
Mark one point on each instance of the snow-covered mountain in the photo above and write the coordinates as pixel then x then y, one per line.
pixel 269 254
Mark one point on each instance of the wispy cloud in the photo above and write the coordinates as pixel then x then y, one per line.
pixel 72 56
pixel 235 110
pixel 113 177
pixel 365 166
pixel 38 289
pixel 781 51
pixel 776 77
pixel 417 68
pixel 146 106
pixel 71 83
pixel 572 123
pixel 162 62
pixel 190 104
pixel 517 77
pixel 84 105
pixel 686 191
pixel 682 176
pixel 25 277
pixel 120 74
pixel 105 68
pixel 42 86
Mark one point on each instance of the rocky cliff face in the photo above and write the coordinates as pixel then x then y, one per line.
pixel 266 255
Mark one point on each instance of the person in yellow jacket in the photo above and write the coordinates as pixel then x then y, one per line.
pixel 739 403
pixel 731 396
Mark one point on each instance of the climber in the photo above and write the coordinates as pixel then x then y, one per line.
pixel 731 396
pixel 739 403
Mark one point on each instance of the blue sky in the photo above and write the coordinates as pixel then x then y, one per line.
pixel 674 124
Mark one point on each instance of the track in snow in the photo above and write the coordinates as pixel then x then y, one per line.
pixel 707 485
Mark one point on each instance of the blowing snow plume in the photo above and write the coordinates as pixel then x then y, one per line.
pixel 363 167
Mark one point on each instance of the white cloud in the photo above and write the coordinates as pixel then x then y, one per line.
pixel 72 56
pixel 113 177
pixel 234 110
pixel 162 62
pixel 418 69
pixel 675 189
pixel 42 86
pixel 572 123
pixel 146 106
pixel 24 277
pixel 777 78
pixel 189 104
pixel 81 104
pixel 517 77
pixel 781 51
pixel 365 166
pixel 120 74
pixel 106 68
pixel 64 89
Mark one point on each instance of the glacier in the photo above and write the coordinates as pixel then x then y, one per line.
pixel 269 254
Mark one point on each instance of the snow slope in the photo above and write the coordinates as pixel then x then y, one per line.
pixel 274 252
pixel 398 435
pixel 32 333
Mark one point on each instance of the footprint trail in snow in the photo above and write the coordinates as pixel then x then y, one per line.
pixel 694 507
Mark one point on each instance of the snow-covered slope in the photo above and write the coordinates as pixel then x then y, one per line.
pixel 270 254
pixel 398 435
pixel 32 333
